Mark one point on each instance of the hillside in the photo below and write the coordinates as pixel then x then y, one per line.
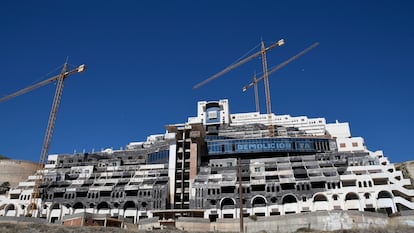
pixel 407 168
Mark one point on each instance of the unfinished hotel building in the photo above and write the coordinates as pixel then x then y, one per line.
pixel 287 165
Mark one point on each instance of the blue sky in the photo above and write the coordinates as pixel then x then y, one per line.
pixel 144 57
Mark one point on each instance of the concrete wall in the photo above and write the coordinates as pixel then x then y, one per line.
pixel 73 222
pixel 15 171
pixel 322 220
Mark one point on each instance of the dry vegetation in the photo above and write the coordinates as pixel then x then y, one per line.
pixel 398 229
pixel 49 228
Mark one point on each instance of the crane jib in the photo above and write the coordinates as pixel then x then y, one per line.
pixel 231 67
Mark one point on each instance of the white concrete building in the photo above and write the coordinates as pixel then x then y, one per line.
pixel 287 164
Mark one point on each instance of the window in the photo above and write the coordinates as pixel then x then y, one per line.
pixel 355 144
pixel 257 169
pixel 342 145
pixel 212 115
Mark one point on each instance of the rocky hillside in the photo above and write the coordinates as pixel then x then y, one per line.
pixel 407 169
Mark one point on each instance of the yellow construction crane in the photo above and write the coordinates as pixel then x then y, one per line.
pixel 229 68
pixel 51 123
pixel 267 91
pixel 276 68
pixel 256 93
pixel 266 82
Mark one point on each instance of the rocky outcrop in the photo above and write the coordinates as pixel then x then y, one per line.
pixel 15 171
pixel 407 168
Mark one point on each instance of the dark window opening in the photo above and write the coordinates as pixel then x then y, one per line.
pixel 316 185
pixel 287 186
pixel 227 189
pixel 258 188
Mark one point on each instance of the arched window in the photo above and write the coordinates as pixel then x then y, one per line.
pixel 384 194
pixel 78 205
pixel 129 205
pixel 103 205
pixel 259 201
pixel 320 197
pixel 290 198
pixel 227 202
pixel 351 196
pixel 10 207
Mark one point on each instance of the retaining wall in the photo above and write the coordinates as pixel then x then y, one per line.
pixel 323 221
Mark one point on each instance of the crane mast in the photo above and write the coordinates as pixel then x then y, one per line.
pixel 49 129
pixel 256 93
pixel 267 91
pixel 280 66
pixel 52 116
pixel 48 136
pixel 266 80
pixel 231 67
pixel 50 125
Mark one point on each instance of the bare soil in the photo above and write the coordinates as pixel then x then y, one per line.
pixel 51 228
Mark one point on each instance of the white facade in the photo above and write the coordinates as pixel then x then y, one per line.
pixel 343 176
pixel 203 115
pixel 312 126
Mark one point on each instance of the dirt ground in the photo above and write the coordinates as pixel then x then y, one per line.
pixel 50 228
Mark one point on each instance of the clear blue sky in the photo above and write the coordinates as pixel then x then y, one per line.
pixel 144 57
